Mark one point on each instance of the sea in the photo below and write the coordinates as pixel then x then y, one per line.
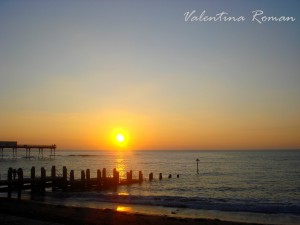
pixel 261 186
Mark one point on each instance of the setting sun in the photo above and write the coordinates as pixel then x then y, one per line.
pixel 120 138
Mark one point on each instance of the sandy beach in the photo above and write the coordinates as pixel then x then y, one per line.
pixel 29 212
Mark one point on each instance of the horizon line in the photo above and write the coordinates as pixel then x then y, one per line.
pixel 124 150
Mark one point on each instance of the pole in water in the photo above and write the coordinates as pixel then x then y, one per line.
pixel 197 165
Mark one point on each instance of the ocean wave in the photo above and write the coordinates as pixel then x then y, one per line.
pixel 230 205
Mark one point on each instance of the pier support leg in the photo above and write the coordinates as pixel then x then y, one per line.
pixel 14 153
pixel 41 153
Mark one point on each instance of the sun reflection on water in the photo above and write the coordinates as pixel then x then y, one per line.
pixel 120 164
pixel 124 209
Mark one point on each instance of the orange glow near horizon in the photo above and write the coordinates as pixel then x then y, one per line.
pixel 99 131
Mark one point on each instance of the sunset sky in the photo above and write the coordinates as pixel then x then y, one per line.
pixel 76 73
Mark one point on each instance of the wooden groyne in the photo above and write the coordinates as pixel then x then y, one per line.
pixel 39 184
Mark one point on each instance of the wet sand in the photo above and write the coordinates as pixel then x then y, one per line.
pixel 29 212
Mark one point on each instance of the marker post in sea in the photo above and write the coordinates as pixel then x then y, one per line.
pixel 197 160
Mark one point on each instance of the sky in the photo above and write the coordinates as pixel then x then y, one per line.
pixel 76 73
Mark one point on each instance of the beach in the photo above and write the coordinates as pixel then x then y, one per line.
pixel 13 211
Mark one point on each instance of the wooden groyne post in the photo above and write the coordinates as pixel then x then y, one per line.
pixel 53 171
pixel 140 176
pixel 88 177
pixel 20 182
pixel 99 175
pixel 32 173
pixel 116 176
pixel 65 178
pixel 129 176
pixel 9 179
pixel 72 176
pixel 150 176
pixel 53 176
pixel 82 175
pixel 43 181
pixel 32 176
pixel 160 176
pixel 104 173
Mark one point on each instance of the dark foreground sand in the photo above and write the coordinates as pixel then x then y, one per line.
pixel 29 212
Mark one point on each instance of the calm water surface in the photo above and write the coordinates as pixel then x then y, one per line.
pixel 264 183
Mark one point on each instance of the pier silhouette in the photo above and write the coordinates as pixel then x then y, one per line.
pixel 14 146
